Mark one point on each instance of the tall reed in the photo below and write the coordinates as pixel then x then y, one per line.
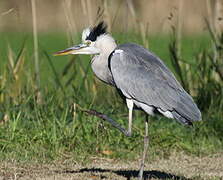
pixel 36 52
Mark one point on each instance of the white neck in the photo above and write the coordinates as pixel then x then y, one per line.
pixel 106 44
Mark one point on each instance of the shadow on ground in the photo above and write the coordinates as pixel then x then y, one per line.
pixel 128 174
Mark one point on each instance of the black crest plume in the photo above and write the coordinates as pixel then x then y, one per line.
pixel 97 31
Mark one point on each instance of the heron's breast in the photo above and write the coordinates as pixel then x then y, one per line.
pixel 101 70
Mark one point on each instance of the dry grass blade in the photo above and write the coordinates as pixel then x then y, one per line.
pixel 57 78
pixel 144 32
pixel 16 65
pixel 107 15
pixel 36 52
pixel 131 8
pixel 218 67
pixel 19 65
pixel 69 81
pixel 179 25
pixel 99 14
pixel 70 20
pixel 3 80
pixel 84 73
pixel 89 12
pixel 10 59
pixel 211 31
pixel 217 16
pixel 143 29
pixel 15 75
pixel 217 43
pixel 176 63
pixel 20 59
pixel 116 14
pixel 68 66
pixel 7 12
pixel 84 7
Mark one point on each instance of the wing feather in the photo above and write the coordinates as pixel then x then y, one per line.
pixel 144 77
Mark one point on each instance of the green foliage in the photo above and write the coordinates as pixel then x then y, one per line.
pixel 58 129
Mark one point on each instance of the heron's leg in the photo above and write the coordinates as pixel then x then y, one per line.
pixel 130 105
pixel 146 144
pixel 111 121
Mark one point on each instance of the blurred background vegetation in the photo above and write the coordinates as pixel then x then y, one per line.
pixel 42 97
pixel 156 14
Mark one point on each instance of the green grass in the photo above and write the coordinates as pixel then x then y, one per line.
pixel 51 131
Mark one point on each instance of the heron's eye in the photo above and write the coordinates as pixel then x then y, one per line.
pixel 88 43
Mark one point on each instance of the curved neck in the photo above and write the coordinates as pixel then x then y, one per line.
pixel 99 63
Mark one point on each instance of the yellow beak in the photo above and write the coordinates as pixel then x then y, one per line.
pixel 79 49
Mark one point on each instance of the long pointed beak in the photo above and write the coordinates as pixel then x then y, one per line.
pixel 78 49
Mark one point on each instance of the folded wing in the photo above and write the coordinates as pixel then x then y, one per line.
pixel 142 76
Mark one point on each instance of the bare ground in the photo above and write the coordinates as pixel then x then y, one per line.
pixel 177 166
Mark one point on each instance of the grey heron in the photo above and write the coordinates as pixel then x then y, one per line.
pixel 139 75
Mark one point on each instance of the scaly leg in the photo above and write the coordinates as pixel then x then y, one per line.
pixel 146 144
pixel 130 105
pixel 114 123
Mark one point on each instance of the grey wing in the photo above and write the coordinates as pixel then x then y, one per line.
pixel 142 76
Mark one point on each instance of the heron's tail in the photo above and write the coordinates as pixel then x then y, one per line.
pixel 181 119
pixel 186 110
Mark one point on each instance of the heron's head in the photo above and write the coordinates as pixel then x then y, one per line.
pixel 94 41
